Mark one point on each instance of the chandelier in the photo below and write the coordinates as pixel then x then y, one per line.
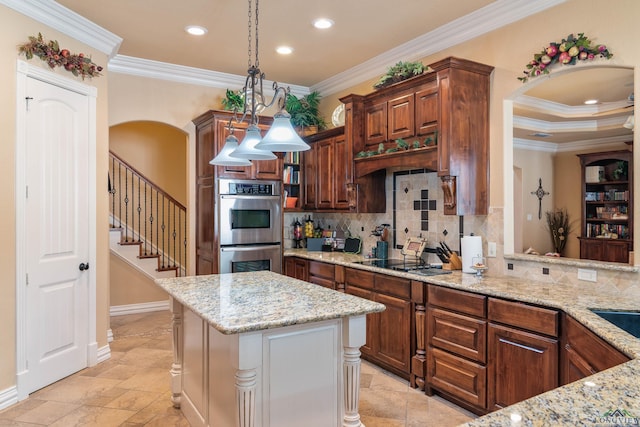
pixel 280 137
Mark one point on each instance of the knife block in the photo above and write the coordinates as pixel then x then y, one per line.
pixel 455 263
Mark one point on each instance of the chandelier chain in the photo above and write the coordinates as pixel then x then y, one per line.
pixel 249 22
pixel 257 60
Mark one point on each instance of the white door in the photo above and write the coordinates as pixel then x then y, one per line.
pixel 57 232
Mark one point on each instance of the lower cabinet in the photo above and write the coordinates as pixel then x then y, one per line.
pixel 321 273
pixel 584 353
pixel 522 353
pixel 296 267
pixel 389 337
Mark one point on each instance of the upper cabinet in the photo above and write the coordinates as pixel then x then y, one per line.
pixel 448 106
pixel 212 129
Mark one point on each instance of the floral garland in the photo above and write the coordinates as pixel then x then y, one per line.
pixel 567 52
pixel 51 53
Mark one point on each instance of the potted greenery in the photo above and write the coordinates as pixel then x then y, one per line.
pixel 304 112
pixel 399 72
pixel 233 100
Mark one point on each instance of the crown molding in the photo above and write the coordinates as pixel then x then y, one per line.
pixel 602 144
pixel 182 74
pixel 67 22
pixel 567 126
pixel 563 110
pixel 475 24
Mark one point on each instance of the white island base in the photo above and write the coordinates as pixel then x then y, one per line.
pixel 307 374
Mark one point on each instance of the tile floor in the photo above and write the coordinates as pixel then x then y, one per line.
pixel 132 389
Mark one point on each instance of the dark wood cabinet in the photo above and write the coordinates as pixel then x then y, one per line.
pixel 584 353
pixel 321 273
pixel 522 362
pixel 296 267
pixel 607 208
pixel 389 333
pixel 211 133
pixel 449 104
pixel 328 176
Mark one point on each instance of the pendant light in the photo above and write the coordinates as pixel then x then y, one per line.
pixel 223 159
pixel 281 136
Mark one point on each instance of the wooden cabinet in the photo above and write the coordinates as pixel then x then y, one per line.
pixel 321 273
pixel 522 362
pixel 296 267
pixel 450 104
pixel 292 179
pixel 584 353
pixel 211 133
pixel 607 207
pixel 328 176
pixel 389 339
pixel 457 340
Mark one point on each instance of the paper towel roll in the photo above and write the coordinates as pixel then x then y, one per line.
pixel 470 246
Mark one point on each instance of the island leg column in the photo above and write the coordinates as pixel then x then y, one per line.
pixel 176 366
pixel 353 337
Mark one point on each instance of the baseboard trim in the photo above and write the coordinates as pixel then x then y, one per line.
pixel 109 335
pixel 8 397
pixel 104 353
pixel 145 307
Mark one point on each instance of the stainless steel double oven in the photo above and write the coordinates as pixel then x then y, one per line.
pixel 250 225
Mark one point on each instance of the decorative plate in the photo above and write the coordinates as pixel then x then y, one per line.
pixel 337 118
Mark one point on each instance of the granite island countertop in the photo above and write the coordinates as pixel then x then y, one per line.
pixel 583 402
pixel 244 302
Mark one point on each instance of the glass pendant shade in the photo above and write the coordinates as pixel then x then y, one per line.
pixel 223 159
pixel 282 136
pixel 247 149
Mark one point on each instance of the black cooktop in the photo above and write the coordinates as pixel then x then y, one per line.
pixel 412 265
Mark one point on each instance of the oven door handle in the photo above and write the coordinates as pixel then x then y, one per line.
pixel 248 197
pixel 247 248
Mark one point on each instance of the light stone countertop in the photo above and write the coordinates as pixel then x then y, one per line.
pixel 244 302
pixel 583 402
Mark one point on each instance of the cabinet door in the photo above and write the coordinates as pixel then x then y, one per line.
pixel 240 172
pixel 341 171
pixel 591 249
pixel 325 174
pixel 521 365
pixel 459 377
pixel 401 112
pixel 427 109
pixel 375 126
pixel 616 251
pixel 206 255
pixel 267 169
pixel 310 177
pixel 372 320
pixel 394 332
pixel 296 268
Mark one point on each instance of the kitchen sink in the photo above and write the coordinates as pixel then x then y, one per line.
pixel 626 320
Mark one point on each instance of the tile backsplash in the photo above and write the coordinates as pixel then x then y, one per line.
pixel 414 209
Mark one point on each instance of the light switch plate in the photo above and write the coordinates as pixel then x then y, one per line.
pixel 491 249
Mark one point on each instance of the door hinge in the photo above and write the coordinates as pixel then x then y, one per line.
pixel 27 279
pixel 28 98
pixel 26 191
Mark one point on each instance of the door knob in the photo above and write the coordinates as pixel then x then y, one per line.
pixel 83 266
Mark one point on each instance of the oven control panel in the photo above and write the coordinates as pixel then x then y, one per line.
pixel 246 187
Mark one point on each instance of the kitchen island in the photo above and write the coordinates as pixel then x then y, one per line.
pixel 261 349
pixel 609 397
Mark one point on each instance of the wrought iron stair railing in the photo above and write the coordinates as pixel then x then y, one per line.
pixel 147 216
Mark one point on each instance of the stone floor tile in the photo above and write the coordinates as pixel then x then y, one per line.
pixel 47 413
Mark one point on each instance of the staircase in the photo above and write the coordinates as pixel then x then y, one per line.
pixel 148 226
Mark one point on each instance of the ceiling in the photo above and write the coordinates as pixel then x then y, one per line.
pixel 154 30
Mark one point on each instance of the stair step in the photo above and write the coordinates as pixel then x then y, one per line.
pixel 132 242
pixel 167 268
pixel 149 256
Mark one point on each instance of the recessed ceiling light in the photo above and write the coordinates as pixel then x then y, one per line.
pixel 323 23
pixel 541 135
pixel 591 101
pixel 284 50
pixel 195 30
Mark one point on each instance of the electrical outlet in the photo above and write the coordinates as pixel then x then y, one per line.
pixel 491 249
pixel 587 275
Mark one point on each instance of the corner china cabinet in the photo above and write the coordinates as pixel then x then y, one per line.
pixel 607 207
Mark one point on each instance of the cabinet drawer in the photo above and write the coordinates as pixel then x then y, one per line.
pixel 593 349
pixel 360 278
pixel 462 335
pixel 321 269
pixel 322 281
pixel 393 286
pixel 520 315
pixel 460 301
pixel 458 377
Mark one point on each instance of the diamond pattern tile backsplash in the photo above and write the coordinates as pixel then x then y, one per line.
pixel 414 209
